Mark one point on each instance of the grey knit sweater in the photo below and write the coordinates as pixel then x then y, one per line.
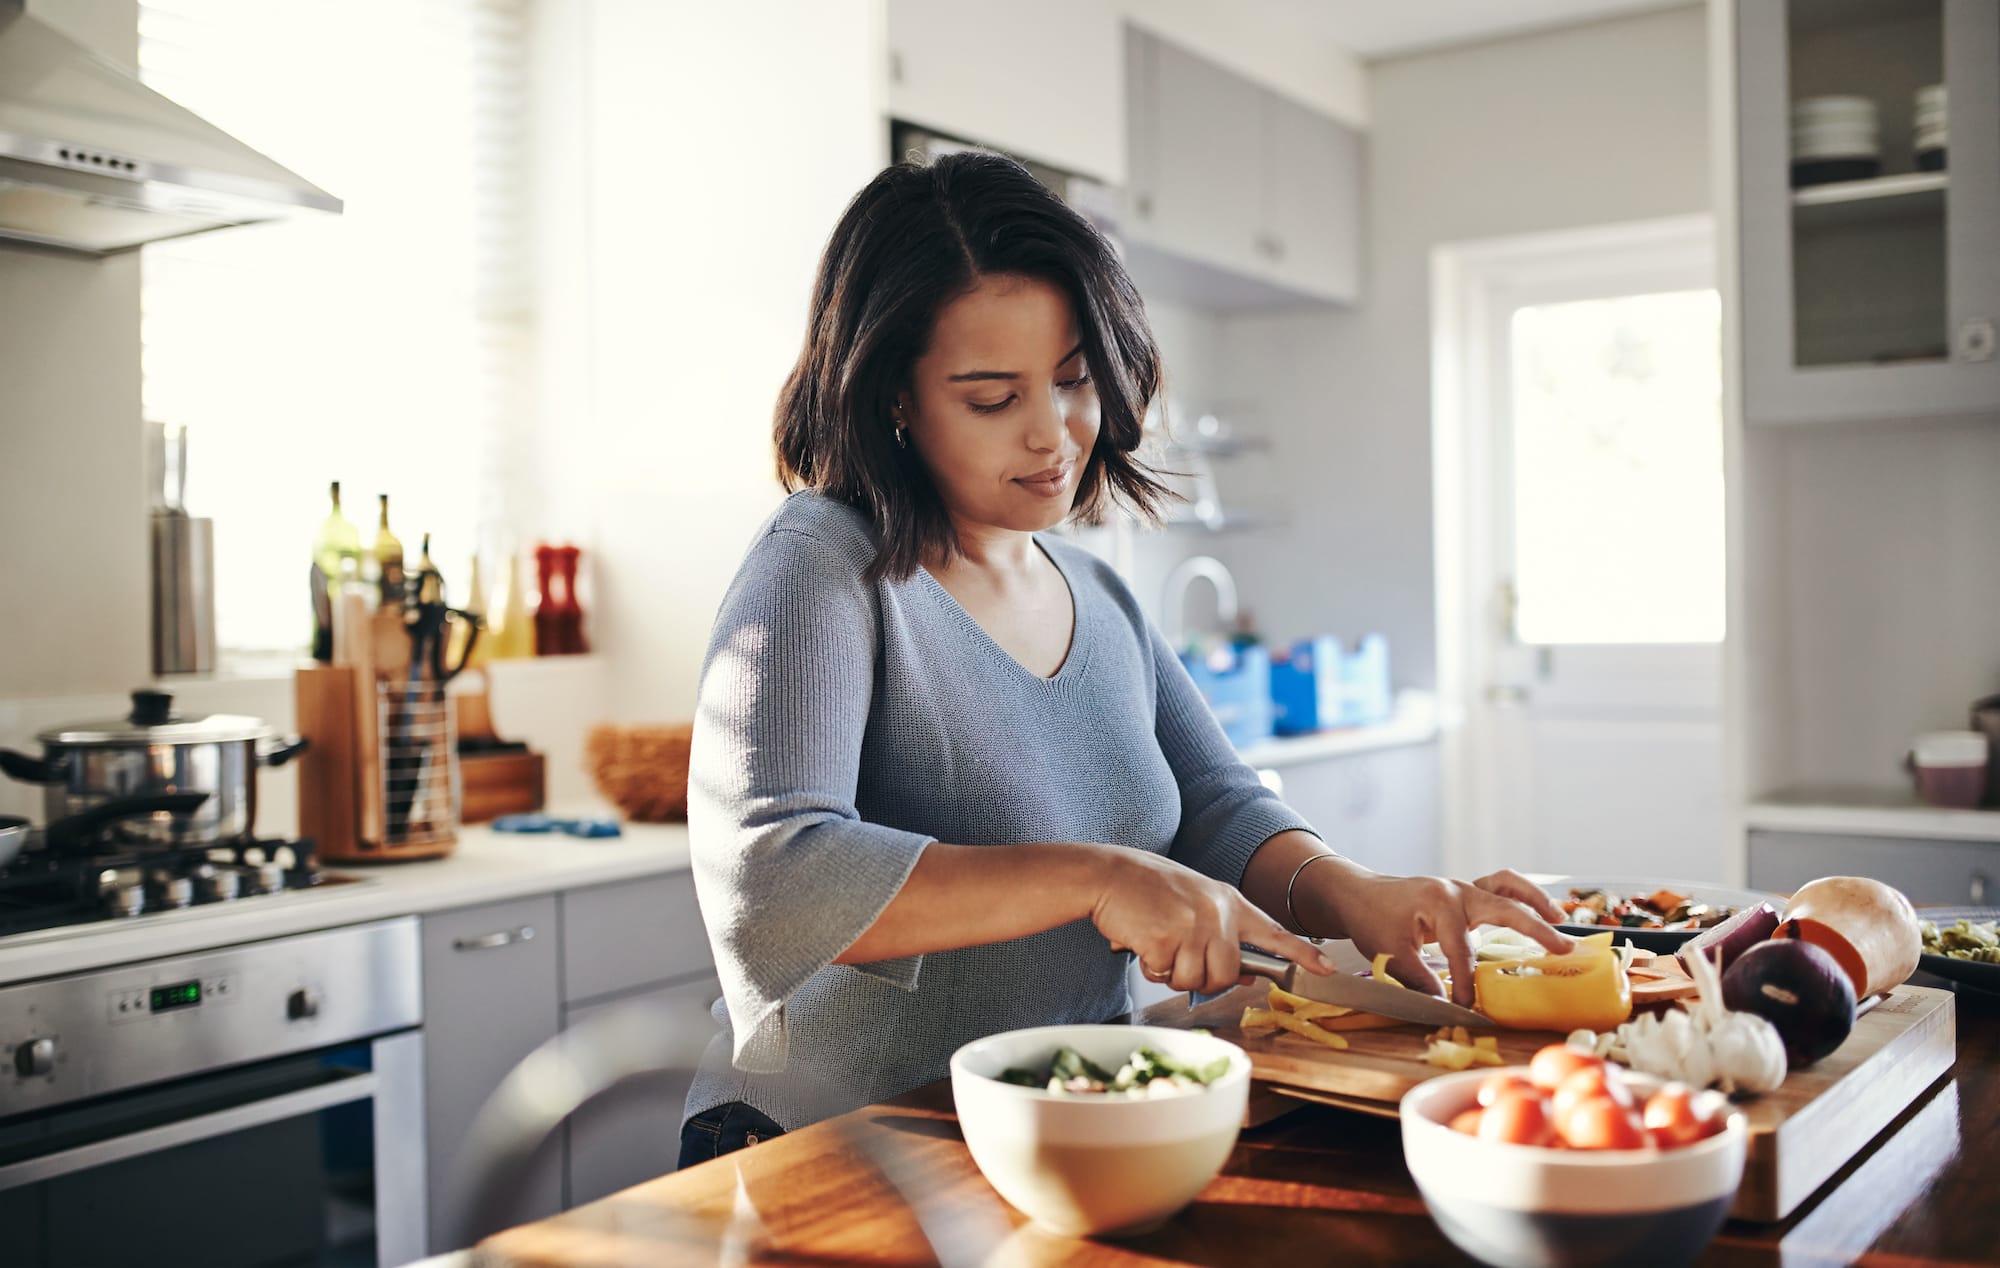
pixel 842 727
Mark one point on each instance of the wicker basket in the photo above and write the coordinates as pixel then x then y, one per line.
pixel 643 770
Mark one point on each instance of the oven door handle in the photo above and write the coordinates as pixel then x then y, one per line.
pixel 358 1086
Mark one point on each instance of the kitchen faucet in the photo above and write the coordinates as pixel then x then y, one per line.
pixel 1173 602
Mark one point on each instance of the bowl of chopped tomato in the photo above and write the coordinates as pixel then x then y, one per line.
pixel 1572 1161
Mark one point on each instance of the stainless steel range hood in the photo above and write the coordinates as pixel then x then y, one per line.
pixel 93 161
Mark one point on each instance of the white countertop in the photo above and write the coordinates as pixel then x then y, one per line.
pixel 1415 721
pixel 1873 812
pixel 487 867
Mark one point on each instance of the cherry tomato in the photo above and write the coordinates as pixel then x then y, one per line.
pixel 1467 1122
pixel 1671 1119
pixel 1589 1082
pixel 1518 1118
pixel 1555 1063
pixel 1503 1081
pixel 1602 1123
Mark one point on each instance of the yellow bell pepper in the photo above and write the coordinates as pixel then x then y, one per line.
pixel 1584 990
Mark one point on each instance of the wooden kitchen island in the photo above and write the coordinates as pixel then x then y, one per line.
pixel 1317 1185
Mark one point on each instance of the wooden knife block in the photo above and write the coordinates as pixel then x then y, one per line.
pixel 346 795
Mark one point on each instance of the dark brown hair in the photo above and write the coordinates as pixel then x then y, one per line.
pixel 915 238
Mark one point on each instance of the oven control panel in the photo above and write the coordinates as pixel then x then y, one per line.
pixel 64 1039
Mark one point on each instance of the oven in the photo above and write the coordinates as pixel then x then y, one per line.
pixel 261 1104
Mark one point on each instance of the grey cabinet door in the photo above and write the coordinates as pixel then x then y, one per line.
pixel 1930 873
pixel 631 934
pixel 633 1132
pixel 1313 173
pixel 490 998
pixel 1206 173
pixel 1379 809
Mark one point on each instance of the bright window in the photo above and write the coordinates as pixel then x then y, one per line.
pixel 388 348
pixel 1617 470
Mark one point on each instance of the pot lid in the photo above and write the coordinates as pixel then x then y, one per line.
pixel 153 721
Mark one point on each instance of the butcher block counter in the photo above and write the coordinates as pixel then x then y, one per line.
pixel 1317 1184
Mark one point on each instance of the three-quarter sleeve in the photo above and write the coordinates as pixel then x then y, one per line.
pixel 1226 812
pixel 787 872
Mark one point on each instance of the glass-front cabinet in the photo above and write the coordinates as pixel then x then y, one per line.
pixel 1868 174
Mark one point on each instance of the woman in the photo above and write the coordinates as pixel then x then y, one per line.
pixel 947 779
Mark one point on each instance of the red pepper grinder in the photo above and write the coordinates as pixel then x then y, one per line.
pixel 548 625
pixel 570 613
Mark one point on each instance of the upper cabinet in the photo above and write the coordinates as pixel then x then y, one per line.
pixel 1868 173
pixel 1258 194
pixel 1042 83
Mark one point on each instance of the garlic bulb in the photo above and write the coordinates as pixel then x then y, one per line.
pixel 1709 1044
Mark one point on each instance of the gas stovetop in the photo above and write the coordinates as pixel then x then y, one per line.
pixel 117 881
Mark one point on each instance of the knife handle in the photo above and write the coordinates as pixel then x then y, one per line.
pixel 1262 964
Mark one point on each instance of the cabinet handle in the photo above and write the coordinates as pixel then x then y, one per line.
pixel 498 938
pixel 1975 340
pixel 1978 891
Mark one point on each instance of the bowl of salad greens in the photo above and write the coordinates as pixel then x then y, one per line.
pixel 1100 1130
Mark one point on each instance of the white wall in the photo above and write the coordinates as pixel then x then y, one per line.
pixel 704 155
pixel 1581 126
pixel 72 457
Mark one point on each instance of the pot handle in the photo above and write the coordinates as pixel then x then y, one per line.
pixel 281 751
pixel 78 830
pixel 30 770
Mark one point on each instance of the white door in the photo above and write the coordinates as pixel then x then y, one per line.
pixel 1583 409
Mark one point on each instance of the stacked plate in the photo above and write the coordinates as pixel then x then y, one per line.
pixel 1835 139
pixel 1928 128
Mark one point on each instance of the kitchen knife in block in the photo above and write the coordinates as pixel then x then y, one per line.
pixel 367 733
pixel 1364 994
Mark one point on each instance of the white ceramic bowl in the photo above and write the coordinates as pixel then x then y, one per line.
pixel 1519 1206
pixel 1821 109
pixel 1085 1165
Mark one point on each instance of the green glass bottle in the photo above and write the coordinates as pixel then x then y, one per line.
pixel 337 549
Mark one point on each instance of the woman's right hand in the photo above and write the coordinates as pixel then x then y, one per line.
pixel 1184 928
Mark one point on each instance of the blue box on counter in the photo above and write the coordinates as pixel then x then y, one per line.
pixel 1236 682
pixel 1317 684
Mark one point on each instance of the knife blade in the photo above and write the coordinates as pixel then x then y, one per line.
pixel 1364 994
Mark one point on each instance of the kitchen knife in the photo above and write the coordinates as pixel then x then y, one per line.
pixel 1363 994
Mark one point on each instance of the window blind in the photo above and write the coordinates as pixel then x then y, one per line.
pixel 387 348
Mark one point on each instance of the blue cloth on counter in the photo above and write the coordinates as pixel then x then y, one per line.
pixel 535 824
pixel 842 727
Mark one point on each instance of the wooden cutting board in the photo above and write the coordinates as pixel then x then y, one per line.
pixel 1800 1135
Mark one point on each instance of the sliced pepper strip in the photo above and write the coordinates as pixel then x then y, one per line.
pixel 1312 1010
pixel 1255 1018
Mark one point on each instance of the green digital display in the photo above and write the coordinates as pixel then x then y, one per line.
pixel 179 995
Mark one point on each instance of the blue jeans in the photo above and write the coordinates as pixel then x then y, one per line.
pixel 723 1130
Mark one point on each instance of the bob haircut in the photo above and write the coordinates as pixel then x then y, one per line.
pixel 915 238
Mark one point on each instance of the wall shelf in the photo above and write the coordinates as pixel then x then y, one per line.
pixel 1907 195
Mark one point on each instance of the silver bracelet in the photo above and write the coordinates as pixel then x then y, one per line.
pixel 1292 884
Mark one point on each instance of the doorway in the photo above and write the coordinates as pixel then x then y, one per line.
pixel 1581 575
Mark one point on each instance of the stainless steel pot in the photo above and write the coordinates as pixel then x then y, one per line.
pixel 151 752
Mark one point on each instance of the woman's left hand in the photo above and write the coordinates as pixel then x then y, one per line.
pixel 1399 914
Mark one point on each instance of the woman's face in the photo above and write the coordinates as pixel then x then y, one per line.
pixel 1001 408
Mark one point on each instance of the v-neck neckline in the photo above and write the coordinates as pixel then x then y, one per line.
pixel 1079 646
